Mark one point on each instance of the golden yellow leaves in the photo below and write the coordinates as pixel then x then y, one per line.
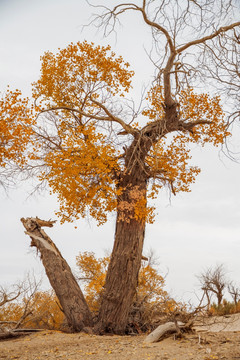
pixel 151 284
pixel 225 308
pixel 196 108
pixel 155 111
pixel 75 148
pixel 150 290
pixel 201 121
pixel 168 161
pixel 80 172
pixel 78 71
pixel 93 273
pixel 15 127
pixel 43 307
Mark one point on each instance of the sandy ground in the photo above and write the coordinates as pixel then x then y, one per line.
pixel 200 345
pixel 219 323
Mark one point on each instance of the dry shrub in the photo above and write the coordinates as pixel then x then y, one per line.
pixel 226 308
pixel 41 310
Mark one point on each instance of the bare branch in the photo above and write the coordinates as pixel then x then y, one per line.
pixel 221 30
pixel 213 280
pixel 6 297
pixel 234 291
pixel 109 117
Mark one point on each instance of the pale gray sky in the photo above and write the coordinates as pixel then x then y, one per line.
pixel 193 231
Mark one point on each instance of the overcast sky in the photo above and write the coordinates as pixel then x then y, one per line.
pixel 191 232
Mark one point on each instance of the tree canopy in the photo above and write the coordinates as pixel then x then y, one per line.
pixel 83 128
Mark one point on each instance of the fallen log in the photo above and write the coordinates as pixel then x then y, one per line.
pixel 59 274
pixel 161 330
pixel 15 333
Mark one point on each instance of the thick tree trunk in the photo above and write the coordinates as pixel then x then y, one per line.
pixel 122 275
pixel 60 275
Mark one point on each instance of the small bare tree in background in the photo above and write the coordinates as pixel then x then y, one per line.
pixel 23 292
pixel 24 308
pixel 213 282
pixel 234 291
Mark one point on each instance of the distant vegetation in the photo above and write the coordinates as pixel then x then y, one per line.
pixel 25 305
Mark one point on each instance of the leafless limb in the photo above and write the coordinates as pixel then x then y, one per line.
pixel 234 291
pixel 213 281
pixel 24 293
pixel 209 28
pixel 11 295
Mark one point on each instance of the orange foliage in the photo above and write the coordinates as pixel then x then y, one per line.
pixel 43 311
pixel 80 173
pixel 150 290
pixel 80 69
pixel 169 157
pixel 225 308
pixel 76 145
pixel 15 127
pixel 93 273
pixel 135 207
pixel 81 168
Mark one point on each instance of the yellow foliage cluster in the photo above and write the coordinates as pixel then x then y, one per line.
pixel 81 162
pixel 169 164
pixel 134 206
pixel 73 138
pixel 80 69
pixel 150 294
pixel 155 109
pixel 15 127
pixel 80 173
pixel 226 308
pixel 202 107
pixel 169 157
pixel 42 310
pixel 93 273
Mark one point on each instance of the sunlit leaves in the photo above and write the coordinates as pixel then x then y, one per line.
pixel 132 204
pixel 80 161
pixel 92 273
pixel 196 108
pixel 42 311
pixel 75 144
pixel 155 110
pixel 81 69
pixel 202 120
pixel 150 290
pixel 80 172
pixel 15 127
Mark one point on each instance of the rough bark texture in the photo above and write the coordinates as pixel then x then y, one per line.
pixel 60 275
pixel 122 277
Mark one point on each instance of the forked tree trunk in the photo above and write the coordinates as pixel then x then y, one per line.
pixel 60 275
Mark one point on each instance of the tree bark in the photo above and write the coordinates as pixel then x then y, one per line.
pixel 122 277
pixel 60 275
